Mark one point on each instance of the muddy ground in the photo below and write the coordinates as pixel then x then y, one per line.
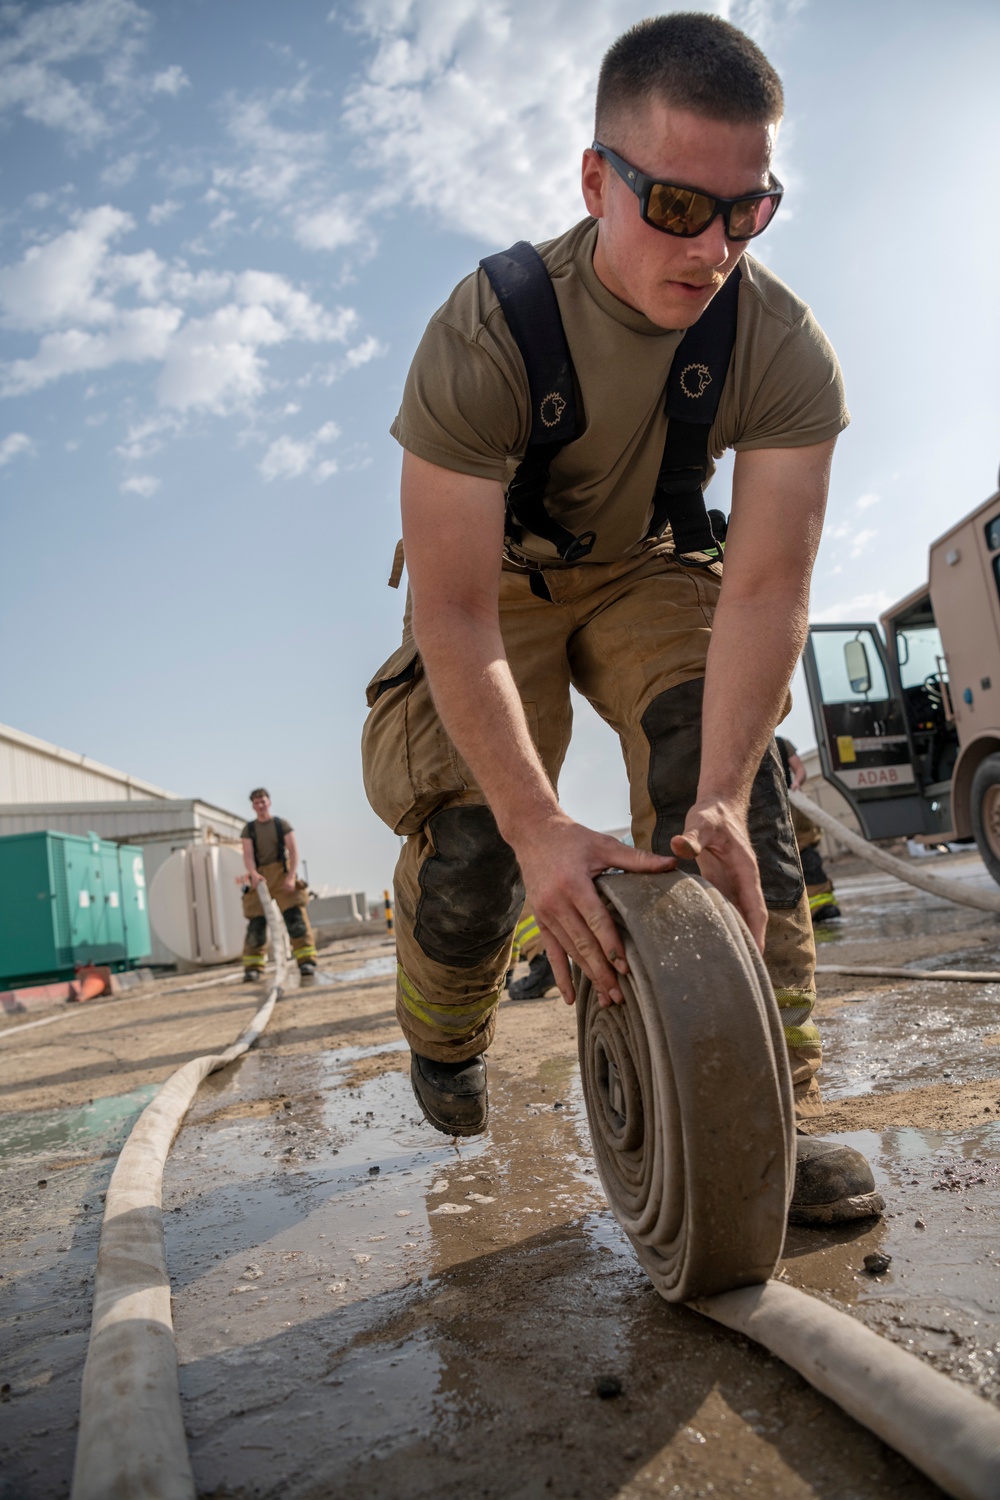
pixel 365 1309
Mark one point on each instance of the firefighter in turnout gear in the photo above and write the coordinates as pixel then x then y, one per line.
pixel 271 854
pixel 819 887
pixel 556 536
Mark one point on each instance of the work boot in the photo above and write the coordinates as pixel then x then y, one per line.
pixel 538 981
pixel 250 976
pixel 825 913
pixel 452 1095
pixel 307 969
pixel 833 1184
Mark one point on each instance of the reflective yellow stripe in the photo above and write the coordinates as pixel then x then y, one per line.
pixel 796 1008
pixel 526 929
pixel 251 962
pixel 801 1036
pixel 825 898
pixel 307 952
pixel 444 1017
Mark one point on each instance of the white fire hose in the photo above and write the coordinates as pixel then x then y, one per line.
pixel 131 1443
pixel 959 891
pixel 690 1107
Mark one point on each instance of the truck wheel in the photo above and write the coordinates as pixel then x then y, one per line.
pixel 984 806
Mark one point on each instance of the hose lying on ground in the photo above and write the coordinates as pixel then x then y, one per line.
pixel 959 891
pixel 687 1094
pixel 131 1441
pixel 877 971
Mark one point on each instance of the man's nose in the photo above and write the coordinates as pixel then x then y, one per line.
pixel 711 247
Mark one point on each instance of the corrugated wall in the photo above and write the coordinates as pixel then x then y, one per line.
pixel 32 770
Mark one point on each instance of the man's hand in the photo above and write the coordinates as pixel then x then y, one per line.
pixel 559 860
pixel 289 881
pixel 715 834
pixel 255 877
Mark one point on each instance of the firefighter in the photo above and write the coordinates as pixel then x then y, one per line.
pixel 271 854
pixel 530 573
pixel 819 887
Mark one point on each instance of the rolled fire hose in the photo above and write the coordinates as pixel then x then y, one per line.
pixel 937 885
pixel 690 1107
pixel 131 1441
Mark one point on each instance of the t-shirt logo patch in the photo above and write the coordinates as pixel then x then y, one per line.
pixel 695 380
pixel 551 409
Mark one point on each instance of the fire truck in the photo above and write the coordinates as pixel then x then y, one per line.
pixel 907 716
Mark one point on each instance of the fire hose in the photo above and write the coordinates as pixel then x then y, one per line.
pixel 131 1440
pixel 690 1108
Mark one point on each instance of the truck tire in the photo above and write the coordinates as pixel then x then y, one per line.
pixel 984 807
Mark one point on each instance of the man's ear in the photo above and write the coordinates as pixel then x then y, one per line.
pixel 594 181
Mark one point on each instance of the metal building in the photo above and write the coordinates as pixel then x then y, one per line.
pixel 45 787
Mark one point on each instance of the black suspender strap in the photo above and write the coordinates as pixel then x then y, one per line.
pixel 524 290
pixel 694 390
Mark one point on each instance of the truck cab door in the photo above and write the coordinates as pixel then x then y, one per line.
pixel 861 730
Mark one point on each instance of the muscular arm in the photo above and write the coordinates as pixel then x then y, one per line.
pixel 292 856
pixel 453 535
pixel 779 497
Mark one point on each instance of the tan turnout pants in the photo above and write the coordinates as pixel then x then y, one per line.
pixel 632 637
pixel 292 905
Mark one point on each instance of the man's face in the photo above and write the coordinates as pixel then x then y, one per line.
pixel 672 280
pixel 262 807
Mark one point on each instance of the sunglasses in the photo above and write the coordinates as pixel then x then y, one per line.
pixel 687 211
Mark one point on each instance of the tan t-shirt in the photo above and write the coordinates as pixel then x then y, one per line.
pixel 466 403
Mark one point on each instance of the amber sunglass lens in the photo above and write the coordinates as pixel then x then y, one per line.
pixel 678 210
pixel 751 216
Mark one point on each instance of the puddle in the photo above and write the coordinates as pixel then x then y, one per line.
pixel 372 968
pixel 879 908
pixel 941 1292
pixel 92 1129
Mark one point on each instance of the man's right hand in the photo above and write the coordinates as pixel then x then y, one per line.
pixel 559 860
pixel 255 877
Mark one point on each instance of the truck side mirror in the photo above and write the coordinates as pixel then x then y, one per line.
pixel 902 649
pixel 858 671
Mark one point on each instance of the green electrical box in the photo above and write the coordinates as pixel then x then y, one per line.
pixel 66 901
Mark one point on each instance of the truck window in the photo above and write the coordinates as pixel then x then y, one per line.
pixel 831 664
pixel 921 656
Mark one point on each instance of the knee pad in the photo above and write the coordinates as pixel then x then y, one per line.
pixel 470 889
pixel 257 932
pixel 295 922
pixel 672 725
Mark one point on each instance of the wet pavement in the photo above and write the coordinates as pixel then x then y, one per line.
pixel 365 1308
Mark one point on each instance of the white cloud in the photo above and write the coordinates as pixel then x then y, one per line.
pixel 862 541
pixel 39 42
pixel 117 173
pixel 159 213
pixel 140 484
pixel 288 458
pixel 362 353
pixel 171 80
pixel 274 158
pixel 331 227
pixel 860 607
pixel 13 444
pixel 480 119
pixel 95 307
pixel 865 502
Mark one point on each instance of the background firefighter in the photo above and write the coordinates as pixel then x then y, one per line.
pixel 271 854
pixel 819 887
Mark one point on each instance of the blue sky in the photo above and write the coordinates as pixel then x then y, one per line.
pixel 223 226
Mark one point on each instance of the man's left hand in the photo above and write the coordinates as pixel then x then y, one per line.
pixel 715 834
pixel 289 882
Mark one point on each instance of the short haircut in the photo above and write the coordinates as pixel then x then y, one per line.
pixel 260 791
pixel 690 60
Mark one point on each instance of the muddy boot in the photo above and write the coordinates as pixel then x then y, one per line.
pixel 833 1184
pixel 538 981
pixel 452 1095
pixel 250 976
pixel 307 969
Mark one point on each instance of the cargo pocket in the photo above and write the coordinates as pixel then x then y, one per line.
pixel 410 765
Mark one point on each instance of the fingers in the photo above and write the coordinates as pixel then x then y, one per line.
pixel 587 935
pixel 686 845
